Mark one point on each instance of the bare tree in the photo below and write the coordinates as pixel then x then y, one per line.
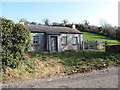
pixel 107 28
pixel 46 21
pixel 65 21
pixel 104 23
pixel 86 22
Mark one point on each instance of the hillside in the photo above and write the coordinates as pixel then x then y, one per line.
pixel 87 36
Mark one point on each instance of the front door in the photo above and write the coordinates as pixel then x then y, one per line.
pixel 54 44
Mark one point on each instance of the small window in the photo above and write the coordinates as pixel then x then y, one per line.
pixel 35 40
pixel 75 40
pixel 64 40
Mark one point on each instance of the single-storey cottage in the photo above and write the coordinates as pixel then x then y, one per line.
pixel 52 39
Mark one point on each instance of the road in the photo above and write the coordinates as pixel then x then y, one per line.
pixel 107 78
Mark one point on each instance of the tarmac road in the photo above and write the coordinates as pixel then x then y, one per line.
pixel 107 78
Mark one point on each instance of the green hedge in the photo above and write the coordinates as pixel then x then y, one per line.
pixel 15 41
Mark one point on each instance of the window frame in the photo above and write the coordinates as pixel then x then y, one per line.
pixel 35 40
pixel 75 41
pixel 64 40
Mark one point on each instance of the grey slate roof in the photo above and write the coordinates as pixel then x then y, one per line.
pixel 52 29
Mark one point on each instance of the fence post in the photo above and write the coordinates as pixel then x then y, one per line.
pixel 82 45
pixel 106 43
pixel 97 45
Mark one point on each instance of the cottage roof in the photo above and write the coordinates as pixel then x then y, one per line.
pixel 52 29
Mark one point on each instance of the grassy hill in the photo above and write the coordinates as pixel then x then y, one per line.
pixel 87 36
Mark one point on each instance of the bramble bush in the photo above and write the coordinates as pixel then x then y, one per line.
pixel 15 42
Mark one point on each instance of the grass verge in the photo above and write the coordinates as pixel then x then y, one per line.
pixel 32 68
pixel 81 61
pixel 48 65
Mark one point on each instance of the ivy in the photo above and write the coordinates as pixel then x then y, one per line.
pixel 15 42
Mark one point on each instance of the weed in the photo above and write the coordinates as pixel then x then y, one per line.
pixel 78 61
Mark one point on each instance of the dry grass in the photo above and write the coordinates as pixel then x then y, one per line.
pixel 37 69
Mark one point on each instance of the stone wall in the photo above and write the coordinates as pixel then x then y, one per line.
pixel 112 49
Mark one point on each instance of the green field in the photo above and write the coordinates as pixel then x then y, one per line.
pixel 87 36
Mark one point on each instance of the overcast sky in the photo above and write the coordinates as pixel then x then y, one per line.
pixel 95 11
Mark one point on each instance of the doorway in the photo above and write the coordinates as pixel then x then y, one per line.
pixel 54 44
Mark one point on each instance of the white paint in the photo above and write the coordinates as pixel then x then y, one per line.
pixel 70 43
pixel 41 44
pixel 74 26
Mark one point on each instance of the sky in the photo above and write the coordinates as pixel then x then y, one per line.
pixel 97 12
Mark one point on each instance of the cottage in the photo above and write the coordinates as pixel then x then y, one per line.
pixel 52 39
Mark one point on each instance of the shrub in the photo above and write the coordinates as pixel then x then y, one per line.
pixel 15 41
pixel 118 34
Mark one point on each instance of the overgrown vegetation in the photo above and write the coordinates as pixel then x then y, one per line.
pixel 15 41
pixel 32 68
pixel 80 61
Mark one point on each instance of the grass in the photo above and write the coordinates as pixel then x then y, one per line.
pixel 87 36
pixel 32 68
pixel 79 61
pixel 45 64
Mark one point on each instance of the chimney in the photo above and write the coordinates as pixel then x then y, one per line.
pixel 21 22
pixel 73 26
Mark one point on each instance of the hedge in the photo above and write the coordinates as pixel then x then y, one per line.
pixel 15 42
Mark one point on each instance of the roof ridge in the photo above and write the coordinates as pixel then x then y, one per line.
pixel 52 29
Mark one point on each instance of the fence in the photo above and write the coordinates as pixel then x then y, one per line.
pixel 96 45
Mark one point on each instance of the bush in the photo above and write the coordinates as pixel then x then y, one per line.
pixel 15 41
pixel 118 34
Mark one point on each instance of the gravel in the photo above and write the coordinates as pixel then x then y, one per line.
pixel 107 78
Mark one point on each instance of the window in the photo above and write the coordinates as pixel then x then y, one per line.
pixel 35 39
pixel 75 40
pixel 64 40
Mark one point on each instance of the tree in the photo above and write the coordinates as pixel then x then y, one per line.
pixel 46 21
pixel 85 22
pixel 33 23
pixel 107 28
pixel 55 23
pixel 65 21
pixel 15 42
pixel 39 24
pixel 104 23
pixel 118 33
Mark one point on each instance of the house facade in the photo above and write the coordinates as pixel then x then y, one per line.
pixel 53 39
